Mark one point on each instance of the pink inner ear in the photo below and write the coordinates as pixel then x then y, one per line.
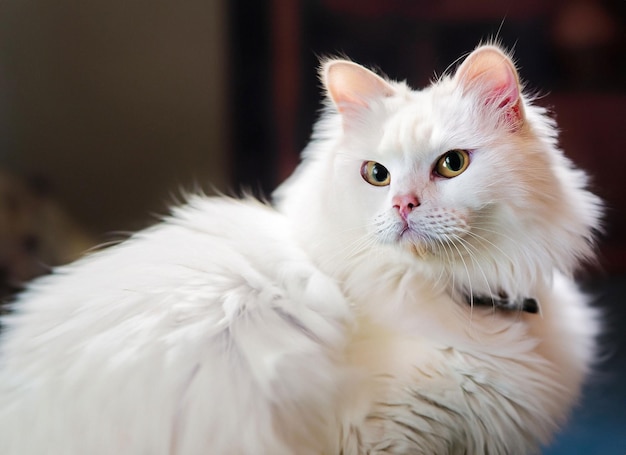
pixel 507 89
pixel 352 86
pixel 491 73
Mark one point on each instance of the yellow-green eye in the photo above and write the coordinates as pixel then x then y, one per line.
pixel 452 163
pixel 375 173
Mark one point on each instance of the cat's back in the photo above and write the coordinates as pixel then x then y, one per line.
pixel 171 324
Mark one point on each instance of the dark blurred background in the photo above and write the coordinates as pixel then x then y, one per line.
pixel 111 109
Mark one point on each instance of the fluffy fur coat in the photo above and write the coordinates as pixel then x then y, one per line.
pixel 346 318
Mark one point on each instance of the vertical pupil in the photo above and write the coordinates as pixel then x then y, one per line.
pixel 454 161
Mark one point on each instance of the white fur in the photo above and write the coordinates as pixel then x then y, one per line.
pixel 315 329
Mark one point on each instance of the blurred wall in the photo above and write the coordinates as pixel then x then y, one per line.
pixel 117 103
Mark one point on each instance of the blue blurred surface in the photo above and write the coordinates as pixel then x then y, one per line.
pixel 598 425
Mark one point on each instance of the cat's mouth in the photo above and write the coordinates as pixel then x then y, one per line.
pixel 424 242
pixel 412 239
pixel 428 235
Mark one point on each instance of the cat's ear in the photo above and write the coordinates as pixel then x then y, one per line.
pixel 491 74
pixel 352 87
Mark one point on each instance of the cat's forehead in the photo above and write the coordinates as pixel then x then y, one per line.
pixel 421 123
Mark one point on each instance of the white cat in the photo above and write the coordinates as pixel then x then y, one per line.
pixel 410 293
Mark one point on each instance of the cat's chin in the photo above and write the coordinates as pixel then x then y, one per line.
pixel 420 250
pixel 417 248
pixel 409 241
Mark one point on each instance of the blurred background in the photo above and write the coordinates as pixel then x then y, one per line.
pixel 110 110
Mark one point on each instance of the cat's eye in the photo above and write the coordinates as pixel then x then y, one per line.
pixel 452 163
pixel 375 173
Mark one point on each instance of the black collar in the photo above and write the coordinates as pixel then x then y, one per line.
pixel 526 304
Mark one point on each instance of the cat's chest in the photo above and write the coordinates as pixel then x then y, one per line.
pixel 427 381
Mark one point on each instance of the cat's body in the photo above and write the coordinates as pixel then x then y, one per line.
pixel 339 323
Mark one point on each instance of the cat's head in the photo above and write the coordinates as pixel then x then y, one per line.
pixel 464 175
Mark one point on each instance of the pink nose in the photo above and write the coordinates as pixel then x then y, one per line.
pixel 405 203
